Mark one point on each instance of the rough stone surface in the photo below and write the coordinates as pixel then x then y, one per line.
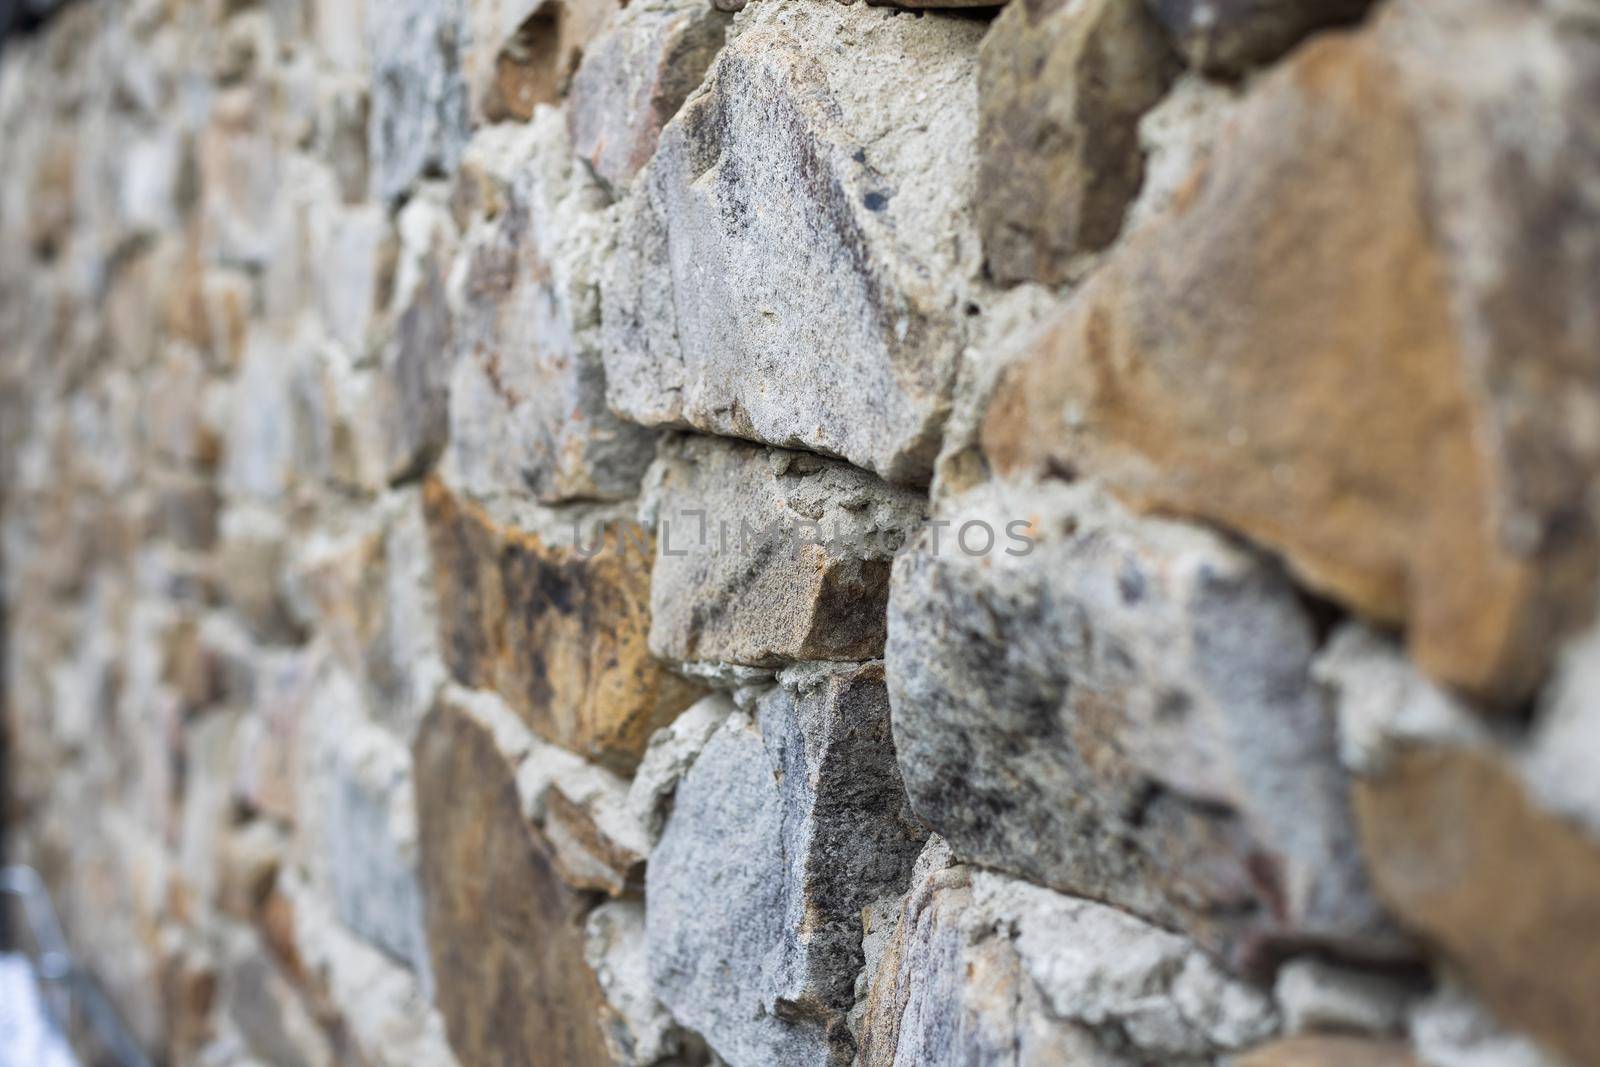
pixel 1387 448
pixel 1315 995
pixel 561 637
pixel 765 556
pixel 1227 37
pixel 634 77
pixel 1061 88
pixel 527 408
pixel 792 182
pixel 1125 712
pixel 786 826
pixel 505 934
pixel 986 969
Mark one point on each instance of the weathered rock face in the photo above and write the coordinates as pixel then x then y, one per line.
pixel 1123 710
pixel 1388 448
pixel 1462 850
pixel 589 684
pixel 792 182
pixel 528 411
pixel 787 825
pixel 1227 37
pixel 634 77
pixel 985 969
pixel 506 936
pixel 765 556
pixel 1061 88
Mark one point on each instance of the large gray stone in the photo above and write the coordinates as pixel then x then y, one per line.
pixel 1124 712
pixel 527 407
pixel 785 828
pixel 765 556
pixel 418 119
pixel 983 968
pixel 634 77
pixel 794 266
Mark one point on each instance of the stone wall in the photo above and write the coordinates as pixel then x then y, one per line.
pixel 578 532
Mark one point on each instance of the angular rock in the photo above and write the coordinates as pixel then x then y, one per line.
pixel 1330 1052
pixel 765 556
pixel 419 116
pixel 634 77
pixel 524 52
pixel 1462 851
pixel 1227 37
pixel 1061 88
pixel 824 314
pixel 505 934
pixel 786 826
pixel 1405 412
pixel 986 969
pixel 528 406
pixel 560 636
pixel 1122 709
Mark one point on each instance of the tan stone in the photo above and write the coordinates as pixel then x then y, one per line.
pixel 505 934
pixel 1508 892
pixel 1329 1052
pixel 562 638
pixel 1061 87
pixel 1328 350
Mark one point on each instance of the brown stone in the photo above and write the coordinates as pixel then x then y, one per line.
pixel 560 637
pixel 1061 88
pixel 1329 1052
pixel 1308 351
pixel 1510 893
pixel 504 933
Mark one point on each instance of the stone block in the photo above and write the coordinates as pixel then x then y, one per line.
pixel 786 826
pixel 634 77
pixel 505 934
pixel 1123 710
pixel 765 556
pixel 794 265
pixel 561 636
pixel 1061 88
pixel 528 399
pixel 1228 37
